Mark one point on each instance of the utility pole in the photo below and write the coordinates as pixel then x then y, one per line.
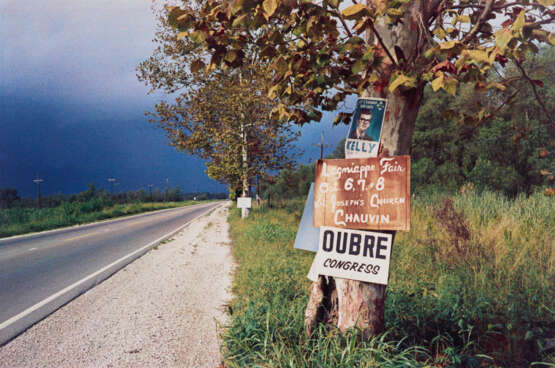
pixel 38 181
pixel 112 181
pixel 166 191
pixel 322 145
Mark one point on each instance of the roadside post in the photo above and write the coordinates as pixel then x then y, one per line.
pixel 244 203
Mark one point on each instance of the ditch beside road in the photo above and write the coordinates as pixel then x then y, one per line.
pixel 164 309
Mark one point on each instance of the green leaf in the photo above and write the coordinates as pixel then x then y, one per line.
pixel 355 11
pixel 269 7
pixel 273 91
pixel 368 56
pixel 502 39
pixel 357 67
pixel 231 56
pixel 240 20
pixel 395 12
pixel 519 22
pixel 430 52
pixel 198 36
pixel 196 65
pixel 450 86
pixel 499 86
pixel 447 45
pixel 402 80
pixel 439 33
pixel 437 83
pixel 315 115
pixel 478 55
pixel 460 18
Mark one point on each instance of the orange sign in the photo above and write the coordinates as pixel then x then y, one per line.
pixel 363 193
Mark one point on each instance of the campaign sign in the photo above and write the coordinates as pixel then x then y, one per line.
pixel 363 193
pixel 365 131
pixel 244 202
pixel 353 254
pixel 308 235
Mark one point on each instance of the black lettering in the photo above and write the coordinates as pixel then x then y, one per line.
pixel 326 262
pixel 368 245
pixel 341 246
pixel 361 267
pixel 376 269
pixel 347 265
pixel 380 246
pixel 354 266
pixel 369 268
pixel 328 245
pixel 340 264
pixel 354 247
pixel 333 263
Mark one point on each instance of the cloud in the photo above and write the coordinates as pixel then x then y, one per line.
pixel 79 50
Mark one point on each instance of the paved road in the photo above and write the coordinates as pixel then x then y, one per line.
pixel 35 267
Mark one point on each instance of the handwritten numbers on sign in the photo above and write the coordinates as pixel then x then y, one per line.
pixel 363 193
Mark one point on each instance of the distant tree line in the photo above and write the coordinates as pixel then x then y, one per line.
pixel 100 197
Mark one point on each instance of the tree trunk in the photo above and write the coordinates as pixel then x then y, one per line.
pixel 245 167
pixel 350 303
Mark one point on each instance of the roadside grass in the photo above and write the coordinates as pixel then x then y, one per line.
pixel 15 221
pixel 471 285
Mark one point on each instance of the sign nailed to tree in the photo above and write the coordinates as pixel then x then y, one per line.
pixel 353 254
pixel 363 193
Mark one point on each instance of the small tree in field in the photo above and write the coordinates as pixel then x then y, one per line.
pixel 319 52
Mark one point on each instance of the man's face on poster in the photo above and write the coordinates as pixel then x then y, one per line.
pixel 364 121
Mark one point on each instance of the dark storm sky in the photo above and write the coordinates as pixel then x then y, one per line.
pixel 72 109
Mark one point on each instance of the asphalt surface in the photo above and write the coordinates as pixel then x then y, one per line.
pixel 35 267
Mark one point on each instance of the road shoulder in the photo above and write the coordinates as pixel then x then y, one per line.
pixel 162 310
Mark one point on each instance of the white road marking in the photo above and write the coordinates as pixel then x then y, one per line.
pixel 52 297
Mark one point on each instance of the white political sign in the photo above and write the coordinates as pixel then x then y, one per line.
pixel 244 202
pixel 353 254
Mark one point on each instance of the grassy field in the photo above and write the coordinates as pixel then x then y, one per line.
pixel 471 285
pixel 14 221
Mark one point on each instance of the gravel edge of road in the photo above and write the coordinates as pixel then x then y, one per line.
pixel 160 310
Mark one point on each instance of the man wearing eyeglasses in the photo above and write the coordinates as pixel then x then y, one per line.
pixel 363 123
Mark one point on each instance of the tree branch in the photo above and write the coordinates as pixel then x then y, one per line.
pixel 493 113
pixel 338 15
pixel 346 90
pixel 382 44
pixel 536 94
pixel 495 8
pixel 483 16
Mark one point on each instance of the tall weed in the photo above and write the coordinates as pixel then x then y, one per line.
pixel 470 285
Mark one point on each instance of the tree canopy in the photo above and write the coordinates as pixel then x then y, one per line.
pixel 222 117
pixel 318 56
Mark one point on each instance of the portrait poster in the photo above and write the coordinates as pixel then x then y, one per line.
pixel 363 139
